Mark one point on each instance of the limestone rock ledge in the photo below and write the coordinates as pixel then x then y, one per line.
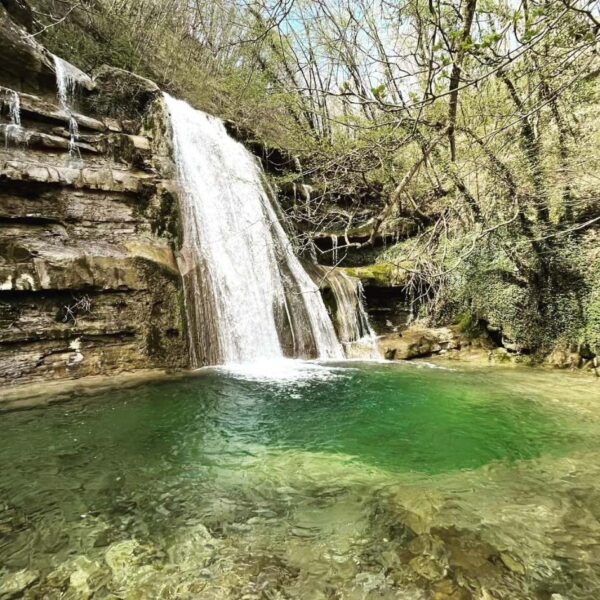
pixel 89 282
pixel 419 342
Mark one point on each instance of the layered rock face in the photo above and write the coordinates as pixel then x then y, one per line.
pixel 89 283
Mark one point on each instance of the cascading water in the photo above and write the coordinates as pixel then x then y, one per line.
pixel 334 249
pixel 247 296
pixel 68 77
pixel 350 317
pixel 307 191
pixel 14 108
pixel 12 101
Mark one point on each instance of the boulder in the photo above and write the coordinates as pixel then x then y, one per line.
pixel 565 358
pixel 419 342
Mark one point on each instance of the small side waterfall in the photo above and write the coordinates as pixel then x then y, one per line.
pixel 345 298
pixel 12 101
pixel 14 107
pixel 68 77
pixel 247 296
pixel 335 249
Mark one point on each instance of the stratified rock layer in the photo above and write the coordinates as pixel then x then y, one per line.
pixel 89 282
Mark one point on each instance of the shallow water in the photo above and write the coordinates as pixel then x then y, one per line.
pixel 308 481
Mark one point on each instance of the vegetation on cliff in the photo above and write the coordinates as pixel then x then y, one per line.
pixel 464 131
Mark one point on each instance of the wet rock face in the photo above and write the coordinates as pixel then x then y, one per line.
pixel 89 283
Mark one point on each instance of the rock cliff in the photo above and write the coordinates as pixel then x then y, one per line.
pixel 89 282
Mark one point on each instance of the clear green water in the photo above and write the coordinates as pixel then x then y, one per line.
pixel 313 484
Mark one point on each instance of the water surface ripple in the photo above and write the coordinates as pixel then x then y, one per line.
pixel 307 481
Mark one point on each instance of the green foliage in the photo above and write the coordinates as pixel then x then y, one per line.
pixel 534 316
pixel 534 313
pixel 379 92
pixel 590 332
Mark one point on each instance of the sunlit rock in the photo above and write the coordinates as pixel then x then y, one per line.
pixel 12 585
pixel 121 557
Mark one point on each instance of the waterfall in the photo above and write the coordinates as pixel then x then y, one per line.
pixel 12 101
pixel 306 192
pixel 247 296
pixel 334 249
pixel 68 77
pixel 346 303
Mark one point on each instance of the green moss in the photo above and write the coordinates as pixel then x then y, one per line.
pixel 562 308
pixel 590 332
pixel 469 325
pixel 379 275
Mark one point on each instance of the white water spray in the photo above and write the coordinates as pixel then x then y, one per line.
pixel 248 298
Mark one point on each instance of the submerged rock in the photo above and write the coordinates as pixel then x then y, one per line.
pixel 450 590
pixel 75 576
pixel 120 557
pixel 512 563
pixel 14 584
pixel 193 547
pixel 371 582
pixel 428 568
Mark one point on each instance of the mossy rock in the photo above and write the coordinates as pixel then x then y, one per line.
pixel 122 94
pixel 379 275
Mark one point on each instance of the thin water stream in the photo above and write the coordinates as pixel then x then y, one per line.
pixel 68 78
pixel 306 480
